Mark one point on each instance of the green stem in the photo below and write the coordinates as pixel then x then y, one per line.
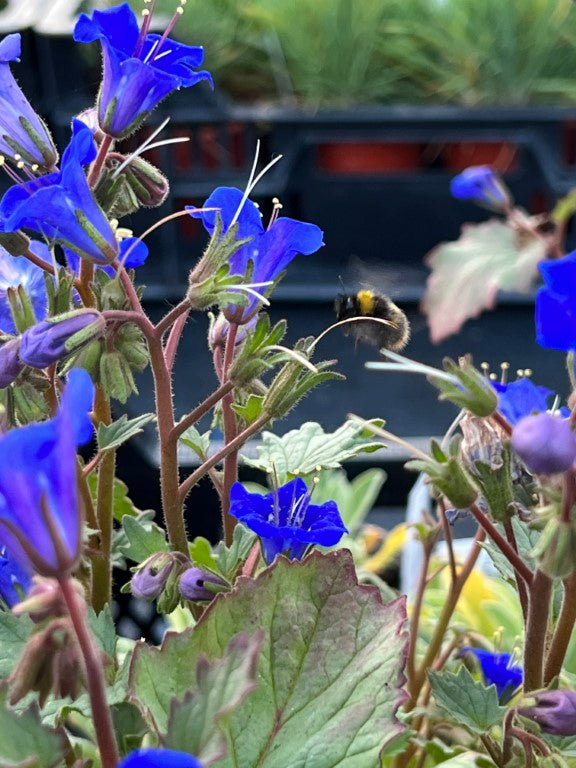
pixel 536 630
pixel 103 727
pixel 562 632
pixel 102 562
pixel 416 609
pixel 444 619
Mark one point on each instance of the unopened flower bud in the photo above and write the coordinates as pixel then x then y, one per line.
pixel 58 337
pixel 139 184
pixel 150 579
pixel 90 118
pixel 196 585
pixel 546 443
pixel 482 185
pixel 218 333
pixel 50 663
pixel 554 711
pixel 44 599
pixel 447 473
pixel 10 365
pixel 466 387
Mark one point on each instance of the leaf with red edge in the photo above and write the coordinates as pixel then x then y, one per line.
pixel 468 273
pixel 330 671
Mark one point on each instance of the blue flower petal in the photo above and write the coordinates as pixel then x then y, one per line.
pixel 159 758
pixel 555 317
pixel 285 520
pixel 53 205
pixel 560 274
pixel 10 48
pixel 521 398
pixel 497 669
pixel 135 79
pixel 227 200
pixel 38 478
pixel 15 581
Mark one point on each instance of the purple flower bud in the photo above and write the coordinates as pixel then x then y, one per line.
pixel 150 580
pixel 545 443
pixel 10 365
pixel 193 581
pixel 55 338
pixel 480 184
pixel 554 711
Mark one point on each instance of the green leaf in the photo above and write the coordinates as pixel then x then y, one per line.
pixel 199 443
pixel 14 632
pixel 526 540
pixel 468 273
pixel 113 435
pixel 301 451
pixel 229 558
pixel 251 409
pixel 194 724
pixel 201 554
pixel 103 629
pixel 25 741
pixel 145 538
pixel 330 672
pixel 129 726
pixel 468 702
pixel 123 505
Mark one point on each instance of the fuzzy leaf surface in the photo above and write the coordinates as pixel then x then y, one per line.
pixel 302 450
pixel 330 671
pixel 120 431
pixel 468 702
pixel 145 538
pixel 468 273
pixel 194 724
pixel 25 741
pixel 14 632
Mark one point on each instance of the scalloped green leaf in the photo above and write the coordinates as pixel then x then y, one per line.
pixel 120 431
pixel 468 273
pixel 330 671
pixel 196 441
pixel 467 701
pixel 195 722
pixel 145 537
pixel 301 451
pixel 25 741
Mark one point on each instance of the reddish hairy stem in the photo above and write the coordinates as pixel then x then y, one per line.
pixel 536 631
pixel 237 443
pixel 230 432
pixel 562 631
pixel 103 728
pixel 515 561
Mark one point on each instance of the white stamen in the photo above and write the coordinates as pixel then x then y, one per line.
pixel 297 356
pixel 145 145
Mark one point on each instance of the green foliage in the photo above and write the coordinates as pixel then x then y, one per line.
pixel 120 431
pixel 14 631
pixel 199 443
pixel 301 451
pixel 467 702
pixel 145 538
pixel 354 498
pixel 198 723
pixel 329 672
pixel 468 273
pixel 25 741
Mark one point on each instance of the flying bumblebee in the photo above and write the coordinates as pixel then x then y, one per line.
pixel 389 328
